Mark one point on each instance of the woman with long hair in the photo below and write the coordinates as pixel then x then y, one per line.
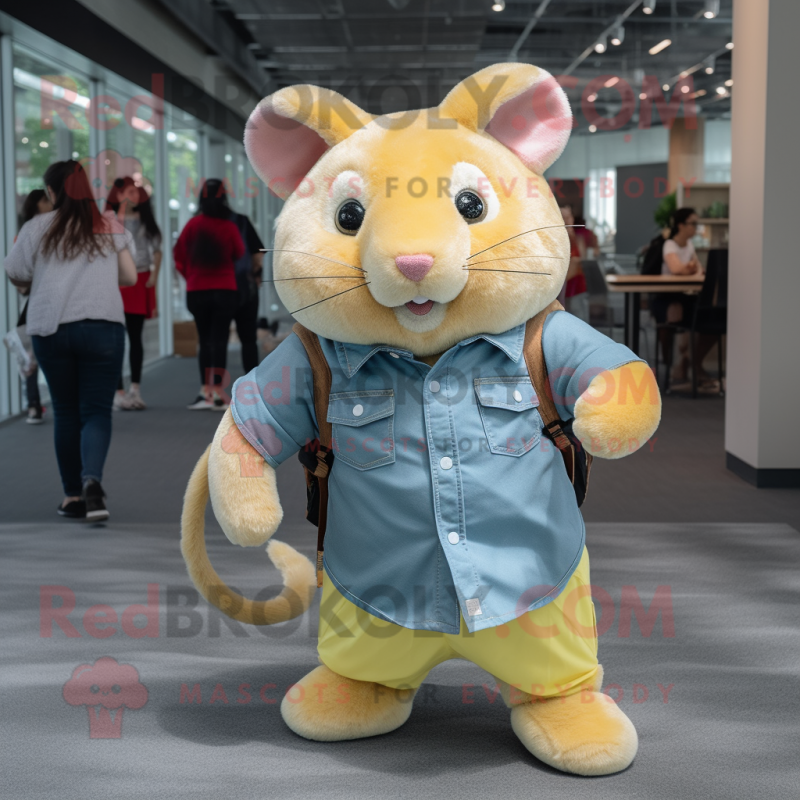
pixel 131 204
pixel 74 260
pixel 680 258
pixel 37 202
pixel 205 254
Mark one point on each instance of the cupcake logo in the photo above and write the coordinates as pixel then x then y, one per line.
pixel 106 688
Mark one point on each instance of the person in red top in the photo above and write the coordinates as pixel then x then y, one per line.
pixel 204 254
pixel 576 282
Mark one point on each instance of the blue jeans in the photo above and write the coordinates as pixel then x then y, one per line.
pixel 82 362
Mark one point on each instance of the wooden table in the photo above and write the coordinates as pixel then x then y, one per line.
pixel 632 286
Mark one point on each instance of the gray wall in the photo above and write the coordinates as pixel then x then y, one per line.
pixel 635 225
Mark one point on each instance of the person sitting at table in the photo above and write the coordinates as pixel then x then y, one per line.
pixel 680 258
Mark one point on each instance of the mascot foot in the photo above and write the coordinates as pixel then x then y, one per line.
pixel 585 733
pixel 327 707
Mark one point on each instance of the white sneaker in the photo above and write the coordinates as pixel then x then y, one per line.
pixel 35 414
pixel 122 402
pixel 135 399
pixel 202 403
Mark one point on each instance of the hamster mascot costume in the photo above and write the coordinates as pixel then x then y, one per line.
pixel 446 410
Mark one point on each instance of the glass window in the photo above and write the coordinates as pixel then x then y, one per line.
pixel 601 204
pixel 136 140
pixel 50 121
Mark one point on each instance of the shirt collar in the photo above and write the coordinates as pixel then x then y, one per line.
pixel 353 356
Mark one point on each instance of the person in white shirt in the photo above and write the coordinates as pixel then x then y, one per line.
pixel 680 258
pixel 74 260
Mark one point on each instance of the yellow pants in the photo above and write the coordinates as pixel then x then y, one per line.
pixel 546 652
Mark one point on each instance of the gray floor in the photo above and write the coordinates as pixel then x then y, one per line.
pixel 672 518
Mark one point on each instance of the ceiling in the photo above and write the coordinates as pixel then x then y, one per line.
pixel 390 55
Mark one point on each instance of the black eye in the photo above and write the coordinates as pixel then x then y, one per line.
pixel 116 688
pixel 94 689
pixel 349 217
pixel 470 206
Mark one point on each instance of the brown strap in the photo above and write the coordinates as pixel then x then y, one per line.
pixel 537 369
pixel 321 375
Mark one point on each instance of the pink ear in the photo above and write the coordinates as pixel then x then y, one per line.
pixel 535 124
pixel 281 150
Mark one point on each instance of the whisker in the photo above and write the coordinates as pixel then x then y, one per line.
pixel 352 288
pixel 316 278
pixel 515 271
pixel 512 258
pixel 532 230
pixel 303 252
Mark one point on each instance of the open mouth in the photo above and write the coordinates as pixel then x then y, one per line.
pixel 419 306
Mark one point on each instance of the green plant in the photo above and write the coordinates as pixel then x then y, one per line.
pixel 666 208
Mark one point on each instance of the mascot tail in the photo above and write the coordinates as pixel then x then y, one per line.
pixel 299 578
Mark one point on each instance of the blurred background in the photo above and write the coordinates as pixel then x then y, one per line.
pixel 628 68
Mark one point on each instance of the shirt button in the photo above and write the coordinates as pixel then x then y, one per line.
pixel 434 386
pixel 518 395
pixel 358 410
pixel 453 537
pixel 394 355
pixel 446 462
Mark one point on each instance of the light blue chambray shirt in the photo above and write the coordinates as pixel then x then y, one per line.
pixel 445 499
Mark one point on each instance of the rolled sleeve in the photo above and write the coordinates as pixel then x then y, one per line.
pixel 273 405
pixel 575 353
pixel 19 263
pixel 124 241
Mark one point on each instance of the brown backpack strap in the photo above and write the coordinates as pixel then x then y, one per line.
pixel 321 374
pixel 537 369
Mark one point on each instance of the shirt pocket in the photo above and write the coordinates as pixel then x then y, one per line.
pixel 363 427
pixel 509 412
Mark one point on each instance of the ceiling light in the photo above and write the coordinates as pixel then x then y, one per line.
pixel 665 87
pixel 721 90
pixel 712 9
pixel 729 82
pixel 600 46
pixel 611 82
pixel 699 93
pixel 662 45
pixel 592 128
pixel 649 6
pixel 729 46
pixel 498 5
pixel 591 98
pixel 710 63
pixel 642 96
pixel 685 89
pixel 618 35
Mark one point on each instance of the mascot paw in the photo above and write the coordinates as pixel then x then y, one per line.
pixel 327 707
pixel 585 733
pixel 619 411
pixel 242 487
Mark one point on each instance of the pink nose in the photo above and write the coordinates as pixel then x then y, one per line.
pixel 415 268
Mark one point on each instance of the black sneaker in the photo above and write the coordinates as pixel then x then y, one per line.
pixel 93 496
pixel 74 510
pixel 201 403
